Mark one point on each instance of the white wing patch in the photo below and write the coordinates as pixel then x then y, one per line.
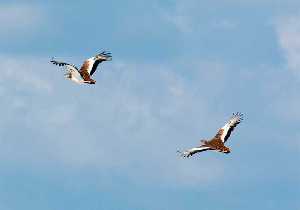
pixel 230 125
pixel 73 75
pixel 71 71
pixel 192 151
pixel 71 68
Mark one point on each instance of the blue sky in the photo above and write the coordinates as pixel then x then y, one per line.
pixel 179 69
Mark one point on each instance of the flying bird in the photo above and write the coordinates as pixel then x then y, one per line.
pixel 88 68
pixel 217 142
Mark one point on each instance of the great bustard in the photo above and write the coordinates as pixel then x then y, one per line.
pixel 217 142
pixel 88 68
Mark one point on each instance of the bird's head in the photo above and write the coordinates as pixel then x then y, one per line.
pixel 226 150
pixel 104 56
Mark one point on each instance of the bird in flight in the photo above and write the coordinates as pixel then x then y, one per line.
pixel 88 68
pixel 217 142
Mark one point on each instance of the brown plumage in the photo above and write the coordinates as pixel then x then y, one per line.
pixel 217 142
pixel 84 71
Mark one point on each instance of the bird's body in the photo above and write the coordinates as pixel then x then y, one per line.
pixel 88 68
pixel 217 142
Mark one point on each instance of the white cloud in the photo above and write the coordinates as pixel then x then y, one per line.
pixel 22 73
pixel 187 17
pixel 285 82
pixel 19 19
pixel 131 121
pixel 288 30
pixel 181 15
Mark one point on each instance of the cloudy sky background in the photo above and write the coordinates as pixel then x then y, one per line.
pixel 179 70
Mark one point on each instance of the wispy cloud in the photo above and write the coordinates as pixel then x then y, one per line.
pixel 128 119
pixel 19 19
pixel 187 18
pixel 130 123
pixel 181 16
pixel 287 79
pixel 288 30
pixel 23 71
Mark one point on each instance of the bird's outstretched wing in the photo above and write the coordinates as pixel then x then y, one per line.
pixel 67 65
pixel 90 65
pixel 192 151
pixel 226 130
pixel 103 56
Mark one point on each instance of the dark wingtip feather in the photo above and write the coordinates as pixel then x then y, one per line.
pixel 106 53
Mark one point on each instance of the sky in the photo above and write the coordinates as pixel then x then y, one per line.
pixel 179 70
